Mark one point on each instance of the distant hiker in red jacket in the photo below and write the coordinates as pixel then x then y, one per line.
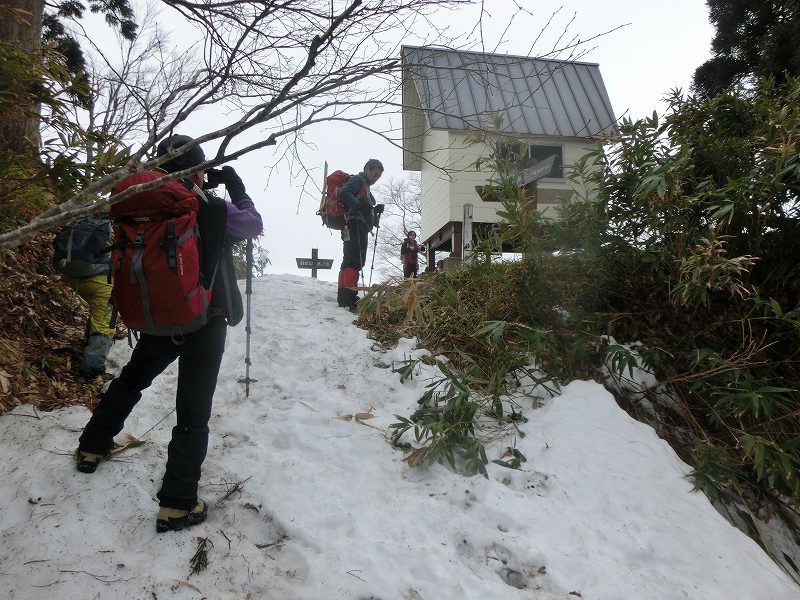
pixel 408 252
pixel 199 353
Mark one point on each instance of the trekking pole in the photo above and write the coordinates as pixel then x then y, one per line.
pixel 375 248
pixel 324 192
pixel 357 231
pixel 248 291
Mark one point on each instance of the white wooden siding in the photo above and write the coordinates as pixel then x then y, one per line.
pixel 443 199
pixel 435 183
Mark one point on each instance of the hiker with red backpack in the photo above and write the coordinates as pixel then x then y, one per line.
pixel 362 215
pixel 174 281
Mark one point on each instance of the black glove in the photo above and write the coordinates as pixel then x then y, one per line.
pixel 233 183
pixel 379 208
pixel 213 179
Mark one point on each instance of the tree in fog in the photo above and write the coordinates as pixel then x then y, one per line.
pixel 402 197
pixel 270 70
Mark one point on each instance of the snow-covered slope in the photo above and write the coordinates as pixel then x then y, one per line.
pixel 308 503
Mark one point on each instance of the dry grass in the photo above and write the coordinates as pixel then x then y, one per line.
pixel 41 333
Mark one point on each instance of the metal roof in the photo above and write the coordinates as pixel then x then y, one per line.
pixel 536 96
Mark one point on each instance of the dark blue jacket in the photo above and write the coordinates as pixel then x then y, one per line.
pixel 358 199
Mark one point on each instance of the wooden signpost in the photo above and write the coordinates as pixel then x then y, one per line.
pixel 314 263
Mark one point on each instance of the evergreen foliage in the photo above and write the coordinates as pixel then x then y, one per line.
pixel 689 246
pixel 117 13
pixel 41 87
pixel 260 258
pixel 695 230
pixel 499 328
pixel 755 38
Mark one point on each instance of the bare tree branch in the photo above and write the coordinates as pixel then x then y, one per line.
pixel 272 68
pixel 403 199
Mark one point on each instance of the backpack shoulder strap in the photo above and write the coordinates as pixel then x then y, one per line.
pixel 363 189
pixel 191 185
pixel 212 221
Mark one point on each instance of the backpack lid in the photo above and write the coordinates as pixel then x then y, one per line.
pixel 169 199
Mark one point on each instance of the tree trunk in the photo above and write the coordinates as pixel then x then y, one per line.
pixel 21 29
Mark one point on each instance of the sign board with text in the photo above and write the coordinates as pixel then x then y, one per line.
pixel 537 171
pixel 310 263
pixel 314 263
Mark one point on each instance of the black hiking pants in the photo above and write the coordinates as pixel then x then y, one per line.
pixel 354 257
pixel 199 358
pixel 354 251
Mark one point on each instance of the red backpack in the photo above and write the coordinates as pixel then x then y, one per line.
pixel 332 210
pixel 158 288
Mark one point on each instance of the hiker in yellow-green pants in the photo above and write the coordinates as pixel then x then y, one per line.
pixel 96 290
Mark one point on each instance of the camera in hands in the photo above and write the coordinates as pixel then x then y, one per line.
pixel 214 177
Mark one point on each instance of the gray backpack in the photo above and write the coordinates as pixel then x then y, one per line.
pixel 81 248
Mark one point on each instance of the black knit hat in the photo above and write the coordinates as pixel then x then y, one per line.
pixel 186 160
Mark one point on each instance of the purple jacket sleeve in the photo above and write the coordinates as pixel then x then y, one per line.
pixel 243 219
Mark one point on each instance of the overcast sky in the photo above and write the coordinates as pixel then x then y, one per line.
pixel 655 49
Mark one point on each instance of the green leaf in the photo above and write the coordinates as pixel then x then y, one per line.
pixel 747 443
pixel 723 211
pixel 662 188
pixel 776 308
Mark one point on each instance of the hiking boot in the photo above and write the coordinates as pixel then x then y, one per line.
pixel 93 362
pixel 352 306
pixel 87 462
pixel 175 519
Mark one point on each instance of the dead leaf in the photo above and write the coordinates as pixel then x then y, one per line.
pixel 416 458
pixel 5 381
pixel 363 416
pixel 130 442
pixel 179 582
pixel 344 417
pixel 40 349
